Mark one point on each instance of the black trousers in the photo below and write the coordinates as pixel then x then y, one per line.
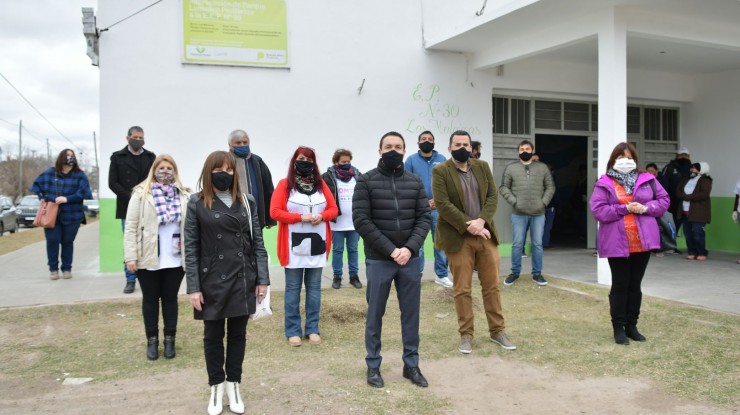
pixel 213 347
pixel 160 286
pixel 625 296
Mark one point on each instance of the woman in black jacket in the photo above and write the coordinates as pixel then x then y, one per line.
pixel 226 271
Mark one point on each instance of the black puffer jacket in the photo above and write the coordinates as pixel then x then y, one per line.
pixel 390 210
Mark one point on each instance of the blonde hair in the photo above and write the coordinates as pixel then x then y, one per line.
pixel 151 177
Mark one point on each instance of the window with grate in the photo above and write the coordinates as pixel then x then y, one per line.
pixel 670 124
pixel 500 115
pixel 594 117
pixel 652 123
pixel 520 116
pixel 548 115
pixel 575 116
pixel 633 120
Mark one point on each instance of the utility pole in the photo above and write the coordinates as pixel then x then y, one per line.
pixel 97 167
pixel 20 158
pixel 48 151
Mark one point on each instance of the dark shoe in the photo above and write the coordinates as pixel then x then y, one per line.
pixel 620 337
pixel 511 278
pixel 355 281
pixel 537 278
pixel 129 288
pixel 415 376
pixel 503 340
pixel 374 379
pixel 337 283
pixel 632 333
pixel 152 348
pixel 169 347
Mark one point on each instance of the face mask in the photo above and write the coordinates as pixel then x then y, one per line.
pixel 526 156
pixel 344 166
pixel 392 159
pixel 136 145
pixel 303 167
pixel 624 165
pixel 461 155
pixel 164 176
pixel 426 147
pixel 241 151
pixel 222 180
pixel 71 161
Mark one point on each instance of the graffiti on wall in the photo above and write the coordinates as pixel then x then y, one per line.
pixel 436 112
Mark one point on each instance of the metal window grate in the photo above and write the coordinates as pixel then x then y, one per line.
pixel 633 120
pixel 548 115
pixel 575 116
pixel 500 115
pixel 520 116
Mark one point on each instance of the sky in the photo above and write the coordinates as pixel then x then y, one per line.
pixel 44 57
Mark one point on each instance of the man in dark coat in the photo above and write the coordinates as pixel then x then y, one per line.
pixel 254 177
pixel 672 174
pixel 390 211
pixel 129 167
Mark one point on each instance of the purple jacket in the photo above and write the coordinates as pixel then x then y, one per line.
pixel 605 206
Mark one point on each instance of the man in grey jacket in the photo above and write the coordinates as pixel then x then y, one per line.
pixel 528 188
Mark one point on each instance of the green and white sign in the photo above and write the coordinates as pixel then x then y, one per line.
pixel 235 32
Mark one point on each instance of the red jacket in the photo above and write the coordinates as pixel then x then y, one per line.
pixel 279 212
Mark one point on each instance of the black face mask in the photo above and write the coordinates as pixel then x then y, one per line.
pixel 426 147
pixel 392 159
pixel 222 180
pixel 461 155
pixel 526 156
pixel 303 167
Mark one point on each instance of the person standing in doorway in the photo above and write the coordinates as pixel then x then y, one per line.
pixel 391 213
pixel 129 167
pixel 254 176
pixel 696 209
pixel 476 147
pixel 421 164
pixel 341 179
pixel 672 174
pixel 528 188
pixel 467 200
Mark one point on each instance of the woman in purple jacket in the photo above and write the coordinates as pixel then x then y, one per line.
pixel 626 203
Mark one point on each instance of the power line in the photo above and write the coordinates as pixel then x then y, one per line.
pixel 128 17
pixel 38 112
pixel 25 129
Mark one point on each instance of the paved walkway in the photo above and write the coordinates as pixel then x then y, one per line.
pixel 24 281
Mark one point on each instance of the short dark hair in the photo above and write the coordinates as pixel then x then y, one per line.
pixel 460 132
pixel 619 150
pixel 394 134
pixel 475 145
pixel 425 132
pixel 653 165
pixel 339 153
pixel 524 143
pixel 133 129
pixel 62 160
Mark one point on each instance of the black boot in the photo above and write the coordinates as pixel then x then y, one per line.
pixel 620 337
pixel 152 348
pixel 169 347
pixel 355 281
pixel 632 333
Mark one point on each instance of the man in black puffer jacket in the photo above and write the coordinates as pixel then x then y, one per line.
pixel 390 211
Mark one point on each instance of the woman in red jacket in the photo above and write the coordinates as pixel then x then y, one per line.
pixel 303 205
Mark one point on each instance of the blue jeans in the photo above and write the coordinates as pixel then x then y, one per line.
pixel 695 237
pixel 338 239
pixel 519 224
pixel 130 276
pixel 380 275
pixel 294 278
pixel 440 258
pixel 64 235
pixel 549 220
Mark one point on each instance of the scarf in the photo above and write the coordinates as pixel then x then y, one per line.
pixel 344 175
pixel 627 180
pixel 166 202
pixel 305 184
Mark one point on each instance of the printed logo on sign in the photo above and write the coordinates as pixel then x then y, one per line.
pixel 260 55
pixel 200 50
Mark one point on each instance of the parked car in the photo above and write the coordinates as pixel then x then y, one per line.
pixel 27 209
pixel 8 215
pixel 91 207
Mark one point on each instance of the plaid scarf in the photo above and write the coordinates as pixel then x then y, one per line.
pixel 627 180
pixel 166 202
pixel 305 184
pixel 344 175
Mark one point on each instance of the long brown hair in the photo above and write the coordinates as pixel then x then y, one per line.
pixel 619 151
pixel 205 183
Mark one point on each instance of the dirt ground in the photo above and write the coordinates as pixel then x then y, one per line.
pixel 471 385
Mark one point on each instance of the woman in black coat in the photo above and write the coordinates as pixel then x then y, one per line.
pixel 226 272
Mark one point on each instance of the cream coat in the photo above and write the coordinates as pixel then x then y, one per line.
pixel 141 235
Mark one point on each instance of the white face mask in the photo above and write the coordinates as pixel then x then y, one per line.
pixel 624 165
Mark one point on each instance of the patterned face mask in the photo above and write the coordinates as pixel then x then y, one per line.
pixel 164 176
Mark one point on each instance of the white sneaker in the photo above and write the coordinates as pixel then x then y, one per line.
pixel 444 281
pixel 236 404
pixel 216 403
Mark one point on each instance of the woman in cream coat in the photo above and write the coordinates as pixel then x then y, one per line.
pixel 153 249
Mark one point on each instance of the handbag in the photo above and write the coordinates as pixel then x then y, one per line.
pixel 46 217
pixel 263 309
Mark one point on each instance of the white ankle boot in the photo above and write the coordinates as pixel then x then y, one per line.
pixel 236 404
pixel 216 403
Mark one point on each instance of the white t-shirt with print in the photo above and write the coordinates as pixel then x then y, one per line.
pixel 306 242
pixel 344 193
pixel 170 246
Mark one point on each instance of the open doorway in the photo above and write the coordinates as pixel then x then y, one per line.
pixel 567 157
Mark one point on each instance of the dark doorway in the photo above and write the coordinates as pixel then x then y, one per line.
pixel 567 156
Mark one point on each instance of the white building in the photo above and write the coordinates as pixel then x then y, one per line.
pixel 574 76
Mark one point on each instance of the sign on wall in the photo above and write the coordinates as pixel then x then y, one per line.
pixel 235 32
